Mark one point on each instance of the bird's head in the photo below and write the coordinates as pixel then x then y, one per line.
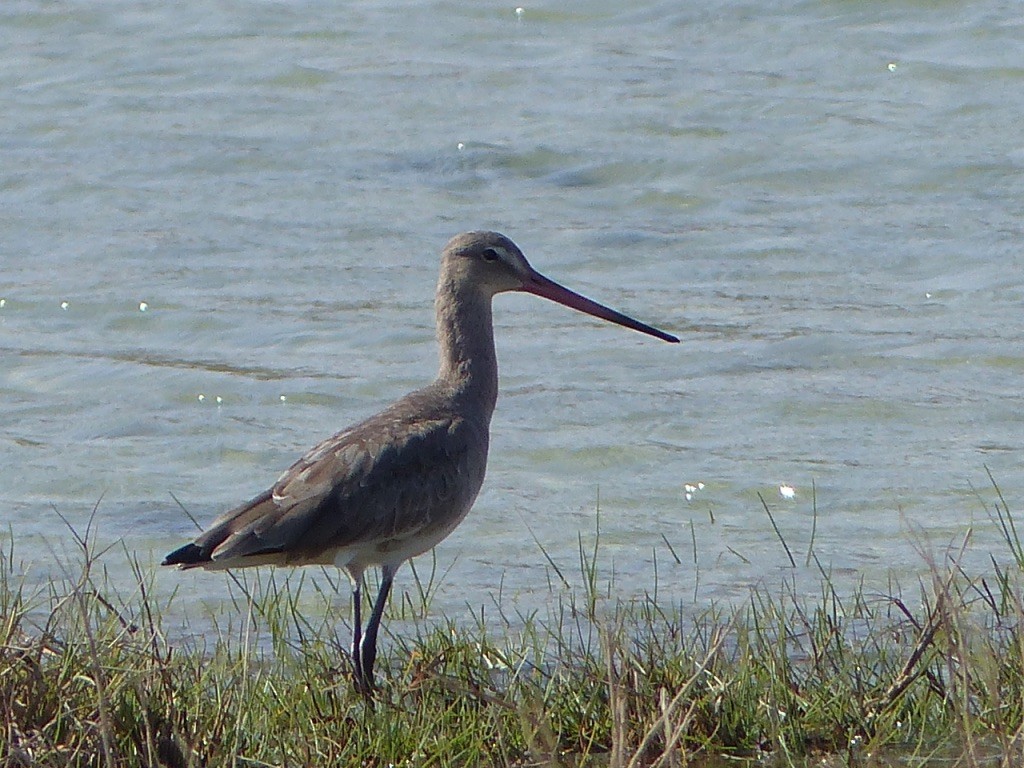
pixel 490 263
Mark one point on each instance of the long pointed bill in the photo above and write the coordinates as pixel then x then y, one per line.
pixel 539 285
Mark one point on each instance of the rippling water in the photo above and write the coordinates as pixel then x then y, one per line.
pixel 824 200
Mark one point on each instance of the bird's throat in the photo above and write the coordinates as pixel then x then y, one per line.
pixel 465 335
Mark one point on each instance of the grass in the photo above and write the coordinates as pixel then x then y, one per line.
pixel 90 677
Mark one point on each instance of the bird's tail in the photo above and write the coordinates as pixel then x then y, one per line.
pixel 199 553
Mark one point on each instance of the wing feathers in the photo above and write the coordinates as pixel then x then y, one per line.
pixel 383 480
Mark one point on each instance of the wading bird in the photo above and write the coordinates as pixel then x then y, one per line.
pixel 393 486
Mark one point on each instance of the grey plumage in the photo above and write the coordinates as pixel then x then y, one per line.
pixel 393 486
pixel 398 480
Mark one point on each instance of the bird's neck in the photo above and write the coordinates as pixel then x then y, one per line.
pixel 465 335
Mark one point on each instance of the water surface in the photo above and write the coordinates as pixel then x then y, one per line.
pixel 823 200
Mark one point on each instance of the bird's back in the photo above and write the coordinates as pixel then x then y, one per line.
pixel 381 491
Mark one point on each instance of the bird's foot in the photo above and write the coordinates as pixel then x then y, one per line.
pixel 364 685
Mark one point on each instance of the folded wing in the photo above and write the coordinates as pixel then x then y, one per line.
pixel 379 482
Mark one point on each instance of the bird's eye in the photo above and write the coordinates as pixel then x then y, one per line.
pixel 490 254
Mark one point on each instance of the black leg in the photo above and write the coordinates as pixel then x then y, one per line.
pixel 357 601
pixel 368 645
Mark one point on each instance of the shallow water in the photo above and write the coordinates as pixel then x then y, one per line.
pixel 822 199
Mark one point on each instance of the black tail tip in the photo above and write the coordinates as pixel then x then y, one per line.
pixel 190 554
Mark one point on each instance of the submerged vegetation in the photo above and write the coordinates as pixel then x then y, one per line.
pixel 89 675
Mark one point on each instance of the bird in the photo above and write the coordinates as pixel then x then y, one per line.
pixel 393 486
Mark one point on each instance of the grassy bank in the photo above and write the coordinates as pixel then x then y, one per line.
pixel 88 676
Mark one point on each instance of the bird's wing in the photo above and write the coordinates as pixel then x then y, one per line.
pixel 383 479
